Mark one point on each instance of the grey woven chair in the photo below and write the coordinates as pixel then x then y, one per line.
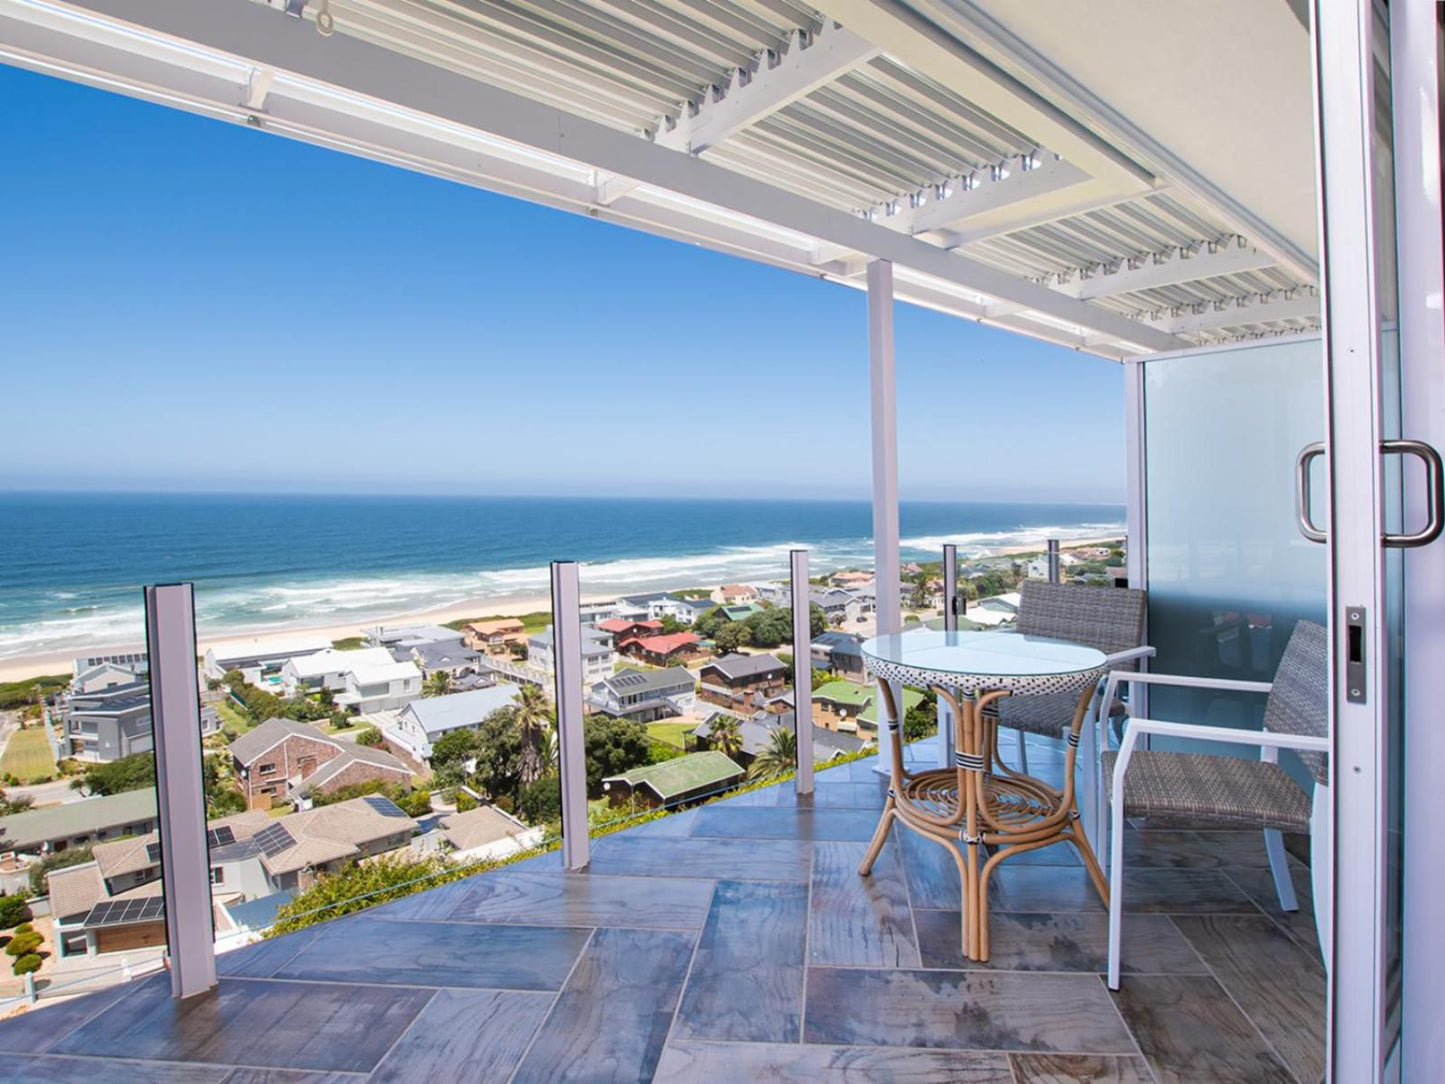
pixel 1226 790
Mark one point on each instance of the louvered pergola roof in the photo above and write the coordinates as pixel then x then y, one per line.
pixel 1113 177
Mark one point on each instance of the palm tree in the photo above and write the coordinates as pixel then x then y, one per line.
pixel 726 737
pixel 533 715
pixel 439 683
pixel 779 757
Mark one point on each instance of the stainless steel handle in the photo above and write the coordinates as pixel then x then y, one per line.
pixel 1434 493
pixel 1308 454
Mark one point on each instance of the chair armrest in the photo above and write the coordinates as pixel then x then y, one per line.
pixel 1145 652
pixel 1132 677
pixel 1274 739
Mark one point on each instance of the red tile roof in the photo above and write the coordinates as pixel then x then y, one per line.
pixel 621 624
pixel 664 645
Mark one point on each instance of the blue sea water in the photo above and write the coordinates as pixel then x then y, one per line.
pixel 72 565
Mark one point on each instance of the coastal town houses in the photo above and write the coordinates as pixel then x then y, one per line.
pixel 756 735
pixel 495 637
pixel 598 655
pixel 841 607
pixel 622 628
pixel 486 832
pixel 404 638
pixel 283 759
pixel 51 829
pixel 114 721
pixel 258 661
pixel 735 594
pixel 644 695
pixel 673 782
pixel 732 680
pixel 852 580
pixel 838 652
pixel 421 723
pixel 365 680
pixel 93 673
pixel 452 658
pixel 851 708
pixel 674 649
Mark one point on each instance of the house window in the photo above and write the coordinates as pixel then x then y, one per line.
pixel 218 875
pixel 267 769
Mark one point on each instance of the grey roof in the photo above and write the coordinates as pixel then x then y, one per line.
pixel 631 681
pixel 700 605
pixel 24 831
pixel 412 635
pixel 840 643
pixel 756 734
pixel 111 692
pixel 441 656
pixel 594 643
pixel 644 600
pixel 258 914
pixel 270 734
pixel 737 666
pixel 112 705
pixel 437 714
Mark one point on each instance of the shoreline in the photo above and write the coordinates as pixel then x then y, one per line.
pixel 25 667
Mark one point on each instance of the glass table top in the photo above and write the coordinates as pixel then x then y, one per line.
pixel 992 653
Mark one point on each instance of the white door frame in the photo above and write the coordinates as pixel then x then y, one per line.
pixel 1344 117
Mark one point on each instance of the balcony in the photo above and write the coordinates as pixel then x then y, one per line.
pixel 736 941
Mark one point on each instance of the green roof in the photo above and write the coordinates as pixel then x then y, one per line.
pixel 742 611
pixel 844 692
pixel 911 698
pixel 681 774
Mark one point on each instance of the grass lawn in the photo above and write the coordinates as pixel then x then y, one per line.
pixel 27 756
pixel 351 643
pixel 670 733
pixel 532 623
pixel 17 694
pixel 232 718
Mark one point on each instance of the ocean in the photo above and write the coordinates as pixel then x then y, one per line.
pixel 72 565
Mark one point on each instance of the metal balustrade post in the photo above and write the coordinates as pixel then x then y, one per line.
pixel 802 671
pixel 567 660
pixel 180 790
pixel 883 384
pixel 1053 560
pixel 952 607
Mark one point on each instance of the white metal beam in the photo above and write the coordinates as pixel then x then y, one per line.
pixel 1078 200
pixel 961 198
pixel 418 93
pixel 1229 257
pixel 805 63
pixel 911 39
pixel 1304 305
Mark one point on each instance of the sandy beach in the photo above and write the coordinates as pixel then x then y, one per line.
pixel 59 662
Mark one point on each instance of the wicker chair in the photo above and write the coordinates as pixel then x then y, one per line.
pixel 1225 790
pixel 1110 619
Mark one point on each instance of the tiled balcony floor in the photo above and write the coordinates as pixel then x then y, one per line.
pixel 737 943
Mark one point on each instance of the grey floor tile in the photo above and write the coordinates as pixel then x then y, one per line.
pixel 1184 891
pixel 1191 1032
pixel 731 859
pixel 1190 849
pixel 261 960
pixel 38 1028
pixel 933 878
pixel 57 1070
pixel 418 953
pixel 1057 854
pixel 1042 888
pixel 1279 985
pixel 540 898
pixel 1258 885
pixel 1057 942
pixel 687 1062
pixel 866 795
pixel 746 981
pixel 290 1076
pixel 786 823
pixel 672 826
pixel 256 1022
pixel 1079 1069
pixel 611 1019
pixel 976 1010
pixel 859 920
pixel 434 902
pixel 473 1035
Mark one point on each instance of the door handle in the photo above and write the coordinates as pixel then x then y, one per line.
pixel 1308 454
pixel 1434 493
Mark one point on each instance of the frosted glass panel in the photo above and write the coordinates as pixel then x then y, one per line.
pixel 1229 572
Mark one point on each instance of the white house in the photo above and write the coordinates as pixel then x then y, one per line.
pixel 258 660
pixel 422 722
pixel 367 680
pixel 598 658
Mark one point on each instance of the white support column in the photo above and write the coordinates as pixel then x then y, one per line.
pixel 1136 513
pixel 952 606
pixel 567 661
pixel 884 383
pixel 180 792
pixel 802 671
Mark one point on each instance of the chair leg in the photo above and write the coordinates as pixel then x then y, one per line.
pixel 880 836
pixel 1116 888
pixel 1023 752
pixel 1279 866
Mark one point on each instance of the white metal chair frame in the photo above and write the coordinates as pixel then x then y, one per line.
pixel 1269 742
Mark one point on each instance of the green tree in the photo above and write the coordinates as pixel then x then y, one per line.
pixel 40 871
pixel 780 756
pixel 13 911
pixel 921 720
pixel 135 772
pixel 453 747
pixel 612 746
pixel 671 625
pixel 731 636
pixel 727 738
pixel 707 624
pixel 438 684
pixel 533 715
pixel 371 737
pixel 541 802
pixel 499 754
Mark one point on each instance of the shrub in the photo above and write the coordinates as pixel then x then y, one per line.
pixel 370 737
pixel 24 927
pixel 417 803
pixel 13 911
pixel 23 943
pixel 465 802
pixel 26 964
pixel 541 803
pixel 71 856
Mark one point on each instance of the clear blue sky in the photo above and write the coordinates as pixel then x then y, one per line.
pixel 191 305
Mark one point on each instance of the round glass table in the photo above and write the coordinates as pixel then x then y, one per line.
pixel 979 809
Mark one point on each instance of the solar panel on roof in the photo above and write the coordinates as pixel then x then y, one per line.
pixel 153 853
pixel 219 837
pixel 385 806
pixel 122 912
pixel 274 839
